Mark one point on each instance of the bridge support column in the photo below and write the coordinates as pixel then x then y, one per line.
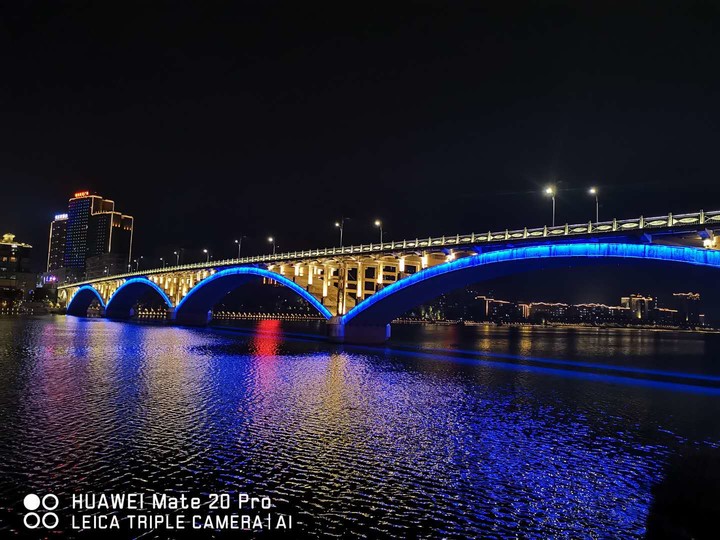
pixel 192 319
pixel 338 332
pixel 118 315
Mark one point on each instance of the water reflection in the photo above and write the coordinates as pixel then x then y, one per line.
pixel 480 432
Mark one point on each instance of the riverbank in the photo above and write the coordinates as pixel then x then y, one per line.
pixel 707 330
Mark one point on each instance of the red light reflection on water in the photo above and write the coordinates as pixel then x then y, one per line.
pixel 264 347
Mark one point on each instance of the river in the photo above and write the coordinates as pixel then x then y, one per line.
pixel 449 431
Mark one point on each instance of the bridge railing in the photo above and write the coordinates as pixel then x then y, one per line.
pixel 623 225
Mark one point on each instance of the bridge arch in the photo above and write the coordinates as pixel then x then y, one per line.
pixel 394 300
pixel 81 300
pixel 194 308
pixel 120 304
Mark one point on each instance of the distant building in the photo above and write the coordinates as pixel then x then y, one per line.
pixel 16 277
pixel 499 310
pixel 90 240
pixel 548 311
pixel 688 308
pixel 666 316
pixel 641 307
pixel 591 313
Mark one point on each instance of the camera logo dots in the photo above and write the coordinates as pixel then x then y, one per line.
pixel 47 518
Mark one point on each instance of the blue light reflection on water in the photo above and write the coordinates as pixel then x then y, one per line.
pixel 371 441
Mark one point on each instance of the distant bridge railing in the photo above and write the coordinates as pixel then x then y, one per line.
pixel 616 225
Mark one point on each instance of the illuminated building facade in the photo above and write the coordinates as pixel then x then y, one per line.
pixel 641 307
pixel 548 311
pixel 91 240
pixel 16 278
pixel 56 245
pixel 499 310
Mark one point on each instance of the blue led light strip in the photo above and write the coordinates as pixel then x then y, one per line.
pixel 687 255
pixel 260 272
pixel 143 281
pixel 90 288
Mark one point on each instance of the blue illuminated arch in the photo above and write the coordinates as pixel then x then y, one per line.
pixel 126 296
pixel 194 307
pixel 403 295
pixel 81 300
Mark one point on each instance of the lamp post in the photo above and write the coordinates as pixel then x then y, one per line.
pixel 138 263
pixel 272 241
pixel 550 190
pixel 177 258
pixel 341 225
pixel 594 191
pixel 162 261
pixel 378 224
pixel 207 255
pixel 239 244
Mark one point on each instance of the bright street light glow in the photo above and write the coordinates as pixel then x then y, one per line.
pixel 378 223
pixel 593 191
pixel 550 190
pixel 270 239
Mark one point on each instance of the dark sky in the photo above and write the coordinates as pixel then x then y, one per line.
pixel 260 118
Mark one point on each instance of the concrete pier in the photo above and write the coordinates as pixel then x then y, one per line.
pixel 338 332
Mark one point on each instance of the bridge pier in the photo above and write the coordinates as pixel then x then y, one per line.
pixel 338 332
pixel 192 319
pixel 117 315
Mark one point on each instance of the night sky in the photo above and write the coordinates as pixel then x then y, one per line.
pixel 261 118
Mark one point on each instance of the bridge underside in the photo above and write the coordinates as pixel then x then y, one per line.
pixel 82 300
pixel 195 308
pixel 122 302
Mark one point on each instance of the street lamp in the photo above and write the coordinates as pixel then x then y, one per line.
pixel 272 241
pixel 162 261
pixel 239 244
pixel 177 258
pixel 207 255
pixel 138 263
pixel 550 191
pixel 594 191
pixel 341 225
pixel 378 224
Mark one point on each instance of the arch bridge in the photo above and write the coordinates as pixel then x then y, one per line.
pixel 359 290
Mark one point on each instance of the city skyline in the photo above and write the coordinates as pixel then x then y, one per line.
pixel 681 309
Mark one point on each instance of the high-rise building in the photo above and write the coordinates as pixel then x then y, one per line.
pixel 92 239
pixel 56 246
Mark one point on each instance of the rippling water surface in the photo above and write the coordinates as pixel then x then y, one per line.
pixel 450 432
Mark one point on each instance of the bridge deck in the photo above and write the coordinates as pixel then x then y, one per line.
pixel 665 225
